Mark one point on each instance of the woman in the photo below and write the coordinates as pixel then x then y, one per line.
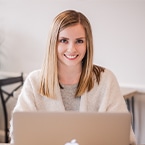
pixel 68 80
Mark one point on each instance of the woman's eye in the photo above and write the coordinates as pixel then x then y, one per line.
pixel 80 41
pixel 63 41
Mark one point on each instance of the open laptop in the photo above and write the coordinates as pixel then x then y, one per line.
pixel 71 128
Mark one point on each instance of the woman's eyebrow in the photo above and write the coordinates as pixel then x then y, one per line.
pixel 81 38
pixel 61 37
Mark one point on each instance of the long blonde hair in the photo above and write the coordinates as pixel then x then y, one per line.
pixel 49 73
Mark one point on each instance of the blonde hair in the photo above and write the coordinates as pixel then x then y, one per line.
pixel 49 73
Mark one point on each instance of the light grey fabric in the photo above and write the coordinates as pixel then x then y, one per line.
pixel 71 103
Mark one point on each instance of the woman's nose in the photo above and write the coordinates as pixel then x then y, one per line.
pixel 72 47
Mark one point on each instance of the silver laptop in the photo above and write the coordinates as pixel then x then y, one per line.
pixel 71 128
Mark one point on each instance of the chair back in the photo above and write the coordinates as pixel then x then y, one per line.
pixel 6 95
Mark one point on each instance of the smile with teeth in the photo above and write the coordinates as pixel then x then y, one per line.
pixel 70 56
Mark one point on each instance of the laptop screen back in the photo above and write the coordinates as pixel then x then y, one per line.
pixel 71 128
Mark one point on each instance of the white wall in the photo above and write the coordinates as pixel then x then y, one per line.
pixel 118 26
pixel 118 29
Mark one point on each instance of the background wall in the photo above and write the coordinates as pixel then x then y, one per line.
pixel 119 38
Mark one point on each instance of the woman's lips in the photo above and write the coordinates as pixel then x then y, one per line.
pixel 70 56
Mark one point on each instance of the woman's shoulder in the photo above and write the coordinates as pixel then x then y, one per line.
pixel 35 72
pixel 108 72
pixel 109 78
pixel 34 75
pixel 105 73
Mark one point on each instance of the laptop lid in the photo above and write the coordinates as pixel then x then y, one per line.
pixel 71 128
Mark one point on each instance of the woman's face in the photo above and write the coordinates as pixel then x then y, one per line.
pixel 71 46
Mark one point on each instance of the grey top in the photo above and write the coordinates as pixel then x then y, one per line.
pixel 71 103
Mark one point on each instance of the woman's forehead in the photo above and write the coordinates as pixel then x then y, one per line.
pixel 75 30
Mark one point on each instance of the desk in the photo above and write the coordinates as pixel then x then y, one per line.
pixel 13 144
pixel 6 144
pixel 128 94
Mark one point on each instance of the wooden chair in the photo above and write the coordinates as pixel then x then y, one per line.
pixel 5 96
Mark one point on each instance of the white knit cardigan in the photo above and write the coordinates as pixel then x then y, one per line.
pixel 105 97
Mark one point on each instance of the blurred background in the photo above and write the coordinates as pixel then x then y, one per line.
pixel 119 41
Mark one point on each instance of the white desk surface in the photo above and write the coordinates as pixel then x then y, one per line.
pixel 13 144
pixel 128 92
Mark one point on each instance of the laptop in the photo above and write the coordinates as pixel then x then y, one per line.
pixel 71 128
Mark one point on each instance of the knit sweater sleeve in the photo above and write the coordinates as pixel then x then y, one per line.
pixel 26 100
pixel 113 98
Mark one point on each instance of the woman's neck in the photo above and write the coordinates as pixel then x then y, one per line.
pixel 69 75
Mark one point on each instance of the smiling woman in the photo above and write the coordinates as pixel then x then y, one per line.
pixel 68 79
